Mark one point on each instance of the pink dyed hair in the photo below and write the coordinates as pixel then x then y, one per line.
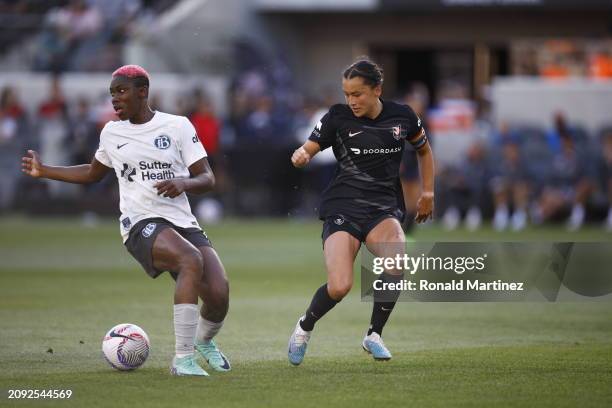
pixel 131 71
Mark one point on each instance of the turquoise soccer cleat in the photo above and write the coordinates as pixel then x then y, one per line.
pixel 297 344
pixel 213 356
pixel 186 366
pixel 374 345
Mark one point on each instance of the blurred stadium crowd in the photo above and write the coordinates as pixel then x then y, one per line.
pixel 76 35
pixel 512 174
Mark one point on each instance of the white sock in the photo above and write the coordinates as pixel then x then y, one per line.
pixel 185 325
pixel 207 330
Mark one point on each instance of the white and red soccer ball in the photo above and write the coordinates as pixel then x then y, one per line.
pixel 126 346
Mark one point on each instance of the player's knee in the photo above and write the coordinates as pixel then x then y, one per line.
pixel 191 264
pixel 219 294
pixel 217 303
pixel 338 290
pixel 215 294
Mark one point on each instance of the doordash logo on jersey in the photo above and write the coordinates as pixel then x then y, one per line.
pixel 148 170
pixel 356 150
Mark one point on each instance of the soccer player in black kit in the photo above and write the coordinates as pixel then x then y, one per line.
pixel 363 202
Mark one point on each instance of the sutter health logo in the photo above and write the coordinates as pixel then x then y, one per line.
pixel 156 170
pixel 128 172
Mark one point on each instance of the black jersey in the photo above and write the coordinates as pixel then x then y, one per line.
pixel 369 152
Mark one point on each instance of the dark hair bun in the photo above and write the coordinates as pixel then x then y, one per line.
pixel 371 73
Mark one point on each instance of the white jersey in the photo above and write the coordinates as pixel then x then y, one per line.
pixel 143 155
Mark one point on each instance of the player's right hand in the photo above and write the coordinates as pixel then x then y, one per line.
pixel 31 164
pixel 300 157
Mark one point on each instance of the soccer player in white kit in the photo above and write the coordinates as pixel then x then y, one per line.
pixel 158 158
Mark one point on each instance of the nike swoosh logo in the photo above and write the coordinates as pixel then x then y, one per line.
pixel 385 309
pixel 121 145
pixel 226 365
pixel 113 334
pixel 351 134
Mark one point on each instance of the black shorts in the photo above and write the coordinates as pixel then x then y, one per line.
pixel 142 236
pixel 357 227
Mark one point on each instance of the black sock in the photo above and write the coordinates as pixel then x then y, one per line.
pixel 384 303
pixel 321 303
pixel 380 313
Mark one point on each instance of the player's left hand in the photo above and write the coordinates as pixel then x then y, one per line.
pixel 170 188
pixel 425 206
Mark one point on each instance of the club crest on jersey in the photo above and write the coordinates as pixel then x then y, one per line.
pixel 126 223
pixel 339 220
pixel 162 142
pixel 396 131
pixel 149 229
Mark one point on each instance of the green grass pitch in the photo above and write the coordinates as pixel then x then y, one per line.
pixel 62 285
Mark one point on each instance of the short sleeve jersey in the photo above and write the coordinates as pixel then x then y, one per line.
pixel 145 154
pixel 369 152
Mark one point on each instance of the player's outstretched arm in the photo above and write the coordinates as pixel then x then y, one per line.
pixel 425 204
pixel 81 174
pixel 302 155
pixel 202 180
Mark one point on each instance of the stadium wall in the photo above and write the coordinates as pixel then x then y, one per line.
pixel 328 41
pixel 533 101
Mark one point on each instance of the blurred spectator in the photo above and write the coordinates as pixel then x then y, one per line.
pixel 117 15
pixel 84 132
pixel 206 124
pixel 53 134
pixel 65 35
pixel 263 99
pixel 510 181
pixel 464 186
pixel 559 131
pixel 102 110
pixel 605 172
pixel 10 105
pixel 12 133
pixel 570 183
pixel 259 126
pixel 208 129
pixel 260 132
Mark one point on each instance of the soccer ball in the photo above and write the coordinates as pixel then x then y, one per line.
pixel 126 347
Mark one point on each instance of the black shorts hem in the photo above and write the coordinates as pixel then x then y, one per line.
pixel 142 238
pixel 358 228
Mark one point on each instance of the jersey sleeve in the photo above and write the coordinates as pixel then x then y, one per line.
pixel 101 154
pixel 414 125
pixel 324 132
pixel 415 132
pixel 191 149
